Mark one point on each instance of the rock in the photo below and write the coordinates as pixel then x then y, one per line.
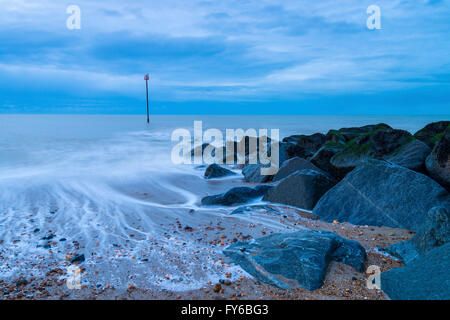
pixel 438 162
pixel 202 148
pixel 254 208
pixel 292 165
pixel 432 132
pixel 382 194
pixel 237 195
pixel 323 156
pixel 252 172
pixel 376 144
pixel 46 245
pixel 48 237
pixel 301 189
pixel 425 278
pixel 412 155
pixel 225 282
pixel 293 139
pixel 434 233
pixel 216 171
pixel 335 136
pixel 295 260
pixel 231 147
pixel 354 132
pixel 254 142
pixel 21 282
pixel 77 258
pixel 305 146
pixel 217 287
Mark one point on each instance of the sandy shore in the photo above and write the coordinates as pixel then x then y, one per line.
pixel 342 281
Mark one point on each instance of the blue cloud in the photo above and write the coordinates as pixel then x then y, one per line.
pixel 226 57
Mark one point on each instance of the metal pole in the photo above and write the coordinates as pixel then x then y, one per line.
pixel 146 87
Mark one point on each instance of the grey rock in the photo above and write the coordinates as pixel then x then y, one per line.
pixel 373 145
pixel 412 155
pixel 304 146
pixel 334 136
pixel 216 171
pixel 434 233
pixel 438 162
pixel 236 196
pixel 296 260
pixel 425 278
pixel 301 189
pixel 199 149
pixel 431 133
pixel 77 258
pixel 354 132
pixel 292 165
pixel 382 194
pixel 323 156
pixel 252 172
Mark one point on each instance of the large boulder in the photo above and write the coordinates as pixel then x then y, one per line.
pixel 323 156
pixel 335 136
pixel 249 143
pixel 200 149
pixel 216 171
pixel 438 162
pixel 301 189
pixel 292 165
pixel 236 196
pixel 412 155
pixel 431 133
pixel 378 193
pixel 375 144
pixel 304 146
pixel 230 146
pixel 434 233
pixel 252 172
pixel 296 260
pixel 354 132
pixel 426 278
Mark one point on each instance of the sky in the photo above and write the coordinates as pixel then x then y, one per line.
pixel 225 57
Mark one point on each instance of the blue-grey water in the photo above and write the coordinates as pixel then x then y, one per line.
pixel 107 181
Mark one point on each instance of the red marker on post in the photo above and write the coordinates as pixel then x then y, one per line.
pixel 146 78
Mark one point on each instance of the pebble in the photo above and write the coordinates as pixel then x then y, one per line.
pixel 77 258
pixel 217 287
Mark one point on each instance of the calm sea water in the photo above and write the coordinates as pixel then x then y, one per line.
pixel 97 179
pixel 29 143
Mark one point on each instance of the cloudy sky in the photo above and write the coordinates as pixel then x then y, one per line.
pixel 225 56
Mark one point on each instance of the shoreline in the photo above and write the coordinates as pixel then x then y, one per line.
pixel 341 282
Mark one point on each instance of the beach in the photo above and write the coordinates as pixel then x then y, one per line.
pixel 100 193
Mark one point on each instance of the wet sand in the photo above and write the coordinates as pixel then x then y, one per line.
pixel 342 281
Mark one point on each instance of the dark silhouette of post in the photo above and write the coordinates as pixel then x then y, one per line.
pixel 146 78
